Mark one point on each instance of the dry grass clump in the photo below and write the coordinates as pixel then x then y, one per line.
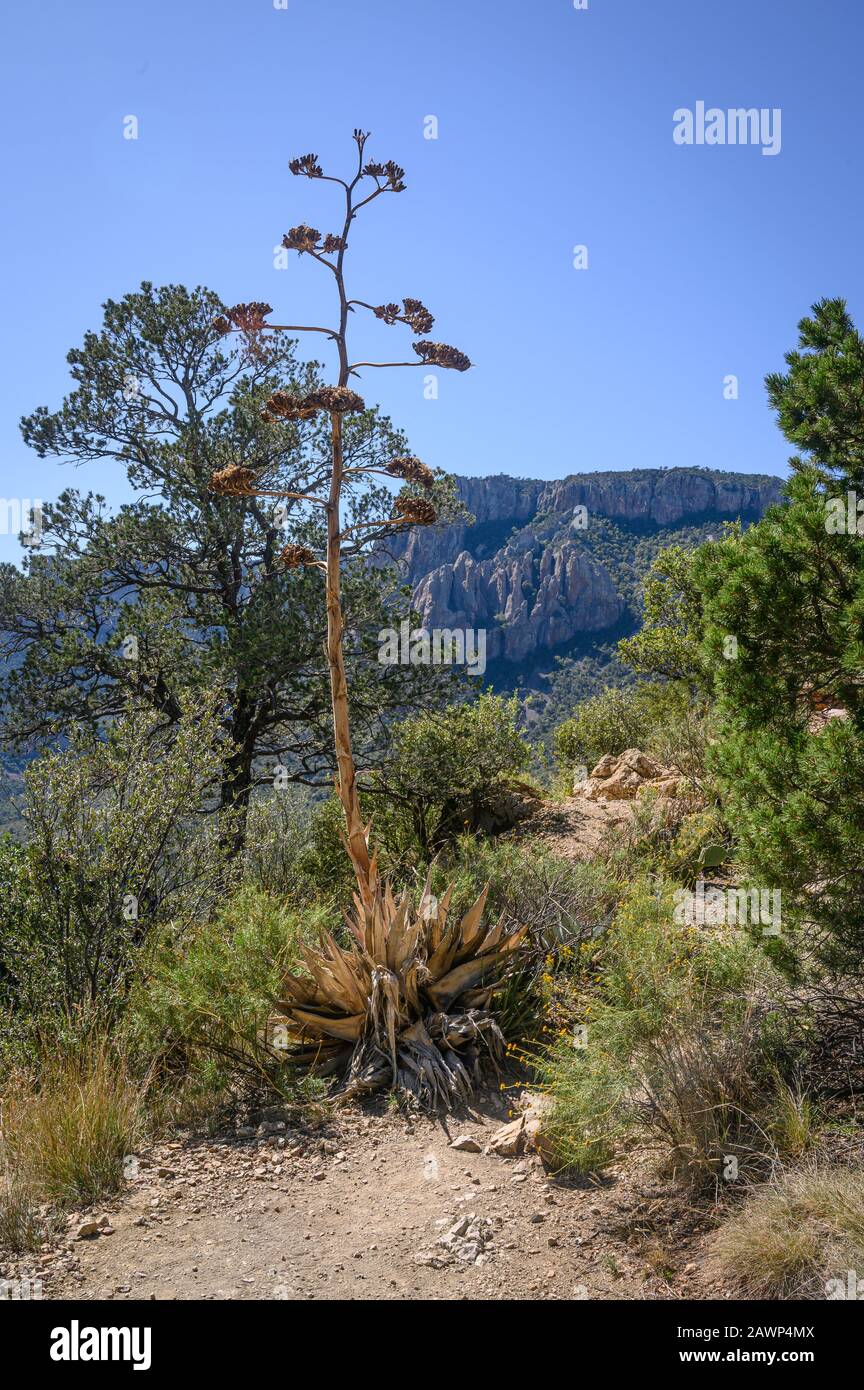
pixel 701 1091
pixel 64 1136
pixel 21 1229
pixel 792 1121
pixel 796 1234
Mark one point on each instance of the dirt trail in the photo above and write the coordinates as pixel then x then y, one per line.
pixel 354 1211
pixel 357 1208
pixel 576 828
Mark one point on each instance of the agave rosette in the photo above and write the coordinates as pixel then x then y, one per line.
pixel 406 1005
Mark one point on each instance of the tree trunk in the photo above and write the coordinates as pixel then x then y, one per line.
pixel 234 795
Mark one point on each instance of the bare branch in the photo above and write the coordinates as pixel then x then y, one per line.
pixel 355 366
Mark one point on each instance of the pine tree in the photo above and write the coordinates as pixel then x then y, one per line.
pixel 180 589
pixel 783 608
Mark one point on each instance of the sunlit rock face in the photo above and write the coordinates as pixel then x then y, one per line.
pixel 523 570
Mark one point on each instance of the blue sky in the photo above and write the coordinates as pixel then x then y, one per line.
pixel 554 130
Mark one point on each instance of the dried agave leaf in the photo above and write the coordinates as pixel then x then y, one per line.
pixel 397 932
pixel 387 995
pixel 515 939
pixel 464 977
pixel 319 968
pixel 299 991
pixel 492 938
pixel 472 923
pixel 477 998
pixel 441 959
pixel 344 968
pixel 438 922
pixel 349 1027
pixel 411 988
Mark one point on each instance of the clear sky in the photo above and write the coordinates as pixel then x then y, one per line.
pixel 555 129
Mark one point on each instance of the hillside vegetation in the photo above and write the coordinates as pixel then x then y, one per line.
pixel 184 939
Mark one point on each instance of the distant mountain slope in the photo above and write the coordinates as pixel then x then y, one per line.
pixel 544 584
pixel 552 597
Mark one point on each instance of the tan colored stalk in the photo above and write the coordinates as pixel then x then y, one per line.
pixel 356 835
pixel 249 319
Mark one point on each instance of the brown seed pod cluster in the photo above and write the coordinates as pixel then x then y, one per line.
pixel 391 174
pixel 293 557
pixel 442 355
pixel 339 400
pixel 416 510
pixel 233 481
pixel 283 406
pixel 248 318
pixel 412 470
pixel 415 314
pixel 301 239
pixel 388 312
pixel 306 164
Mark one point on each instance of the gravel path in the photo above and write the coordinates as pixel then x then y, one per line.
pixel 358 1210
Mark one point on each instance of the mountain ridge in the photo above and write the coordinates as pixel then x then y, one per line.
pixel 538 572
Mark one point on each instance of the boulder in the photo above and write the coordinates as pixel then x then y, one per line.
pixel 466 1144
pixel 527 1132
pixel 622 778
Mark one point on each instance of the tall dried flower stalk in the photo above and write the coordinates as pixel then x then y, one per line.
pixel 406 1004
pixel 371 181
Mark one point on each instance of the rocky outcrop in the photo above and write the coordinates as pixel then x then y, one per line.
pixel 527 601
pixel 625 777
pixel 528 1132
pixel 662 496
pixel 521 568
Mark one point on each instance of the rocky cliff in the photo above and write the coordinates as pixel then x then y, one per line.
pixel 545 562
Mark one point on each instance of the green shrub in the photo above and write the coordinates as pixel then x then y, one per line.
pixel 667 643
pixel 204 1000
pixel 696 831
pixel 445 774
pixel 606 723
pixel 644 843
pixel 658 717
pixel 278 834
pixel 562 902
pixel 295 848
pixel 663 836
pixel 324 871
pixel 13 892
pixel 677 1036
pixel 590 1087
pixel 679 736
pixel 115 849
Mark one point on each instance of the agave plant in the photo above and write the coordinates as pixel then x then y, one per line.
pixel 406 1005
